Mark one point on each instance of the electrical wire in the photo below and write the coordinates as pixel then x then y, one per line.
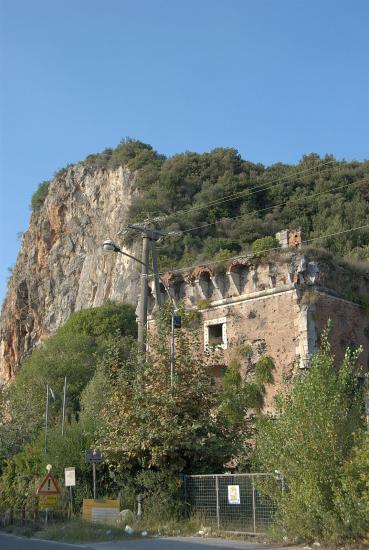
pixel 252 191
pixel 259 188
pixel 206 263
pixel 182 231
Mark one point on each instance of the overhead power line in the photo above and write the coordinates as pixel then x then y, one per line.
pixel 213 262
pixel 262 187
pixel 203 226
pixel 258 189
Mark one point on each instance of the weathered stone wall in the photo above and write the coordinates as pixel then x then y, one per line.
pixel 277 307
pixel 350 326
pixel 260 326
pixel 61 267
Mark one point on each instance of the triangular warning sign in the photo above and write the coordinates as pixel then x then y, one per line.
pixel 49 486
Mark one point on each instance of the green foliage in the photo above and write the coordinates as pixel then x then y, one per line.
pixel 150 424
pixel 241 400
pixel 203 304
pixel 311 442
pixel 73 351
pixel 264 244
pixel 264 370
pixel 237 396
pixel 79 350
pixel 352 498
pixel 18 480
pixel 163 500
pixel 39 196
pixel 189 188
pixel 133 153
pixel 102 322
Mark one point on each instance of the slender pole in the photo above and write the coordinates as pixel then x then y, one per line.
pixel 253 504
pixel 172 351
pixel 142 320
pixel 64 396
pixel 71 501
pixel 94 478
pixel 217 502
pixel 46 415
pixel 155 270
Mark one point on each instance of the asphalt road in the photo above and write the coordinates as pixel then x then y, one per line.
pixel 11 542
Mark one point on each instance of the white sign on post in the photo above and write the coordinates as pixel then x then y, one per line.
pixel 234 494
pixel 70 477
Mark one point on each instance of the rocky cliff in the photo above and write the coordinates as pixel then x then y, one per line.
pixel 61 267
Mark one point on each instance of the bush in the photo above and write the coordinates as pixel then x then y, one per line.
pixel 39 196
pixel 74 351
pixel 311 442
pixel 265 243
pixel 153 424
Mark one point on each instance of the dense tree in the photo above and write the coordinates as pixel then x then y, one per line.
pixel 73 351
pixel 243 202
pixel 315 441
pixel 150 424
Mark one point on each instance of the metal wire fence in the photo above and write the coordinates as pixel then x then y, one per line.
pixel 234 502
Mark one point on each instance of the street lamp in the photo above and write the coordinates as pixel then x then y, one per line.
pixel 110 246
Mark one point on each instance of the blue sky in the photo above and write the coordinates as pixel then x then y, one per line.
pixel 274 78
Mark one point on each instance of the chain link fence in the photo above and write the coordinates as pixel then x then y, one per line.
pixel 234 502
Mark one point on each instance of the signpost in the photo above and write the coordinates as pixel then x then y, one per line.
pixel 70 477
pixel 48 492
pixel 70 481
pixel 93 457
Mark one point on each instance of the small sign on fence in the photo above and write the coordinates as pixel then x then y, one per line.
pixel 234 494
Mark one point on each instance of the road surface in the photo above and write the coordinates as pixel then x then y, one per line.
pixel 11 542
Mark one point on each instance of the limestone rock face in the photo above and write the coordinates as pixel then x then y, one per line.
pixel 61 266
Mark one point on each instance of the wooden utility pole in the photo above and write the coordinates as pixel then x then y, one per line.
pixel 150 236
pixel 142 318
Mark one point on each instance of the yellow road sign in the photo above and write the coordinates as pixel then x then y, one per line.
pixel 47 501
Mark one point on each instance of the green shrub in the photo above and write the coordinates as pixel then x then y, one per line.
pixel 311 442
pixel 265 243
pixel 39 196
pixel 264 370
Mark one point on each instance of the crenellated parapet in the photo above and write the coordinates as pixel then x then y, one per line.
pixel 239 279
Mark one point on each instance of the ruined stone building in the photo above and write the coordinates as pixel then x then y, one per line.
pixel 276 306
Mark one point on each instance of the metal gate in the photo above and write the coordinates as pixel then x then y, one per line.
pixel 234 502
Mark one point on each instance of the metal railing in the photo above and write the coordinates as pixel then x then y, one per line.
pixel 234 502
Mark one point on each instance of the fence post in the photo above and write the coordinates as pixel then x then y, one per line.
pixel 253 504
pixel 217 497
pixel 185 494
